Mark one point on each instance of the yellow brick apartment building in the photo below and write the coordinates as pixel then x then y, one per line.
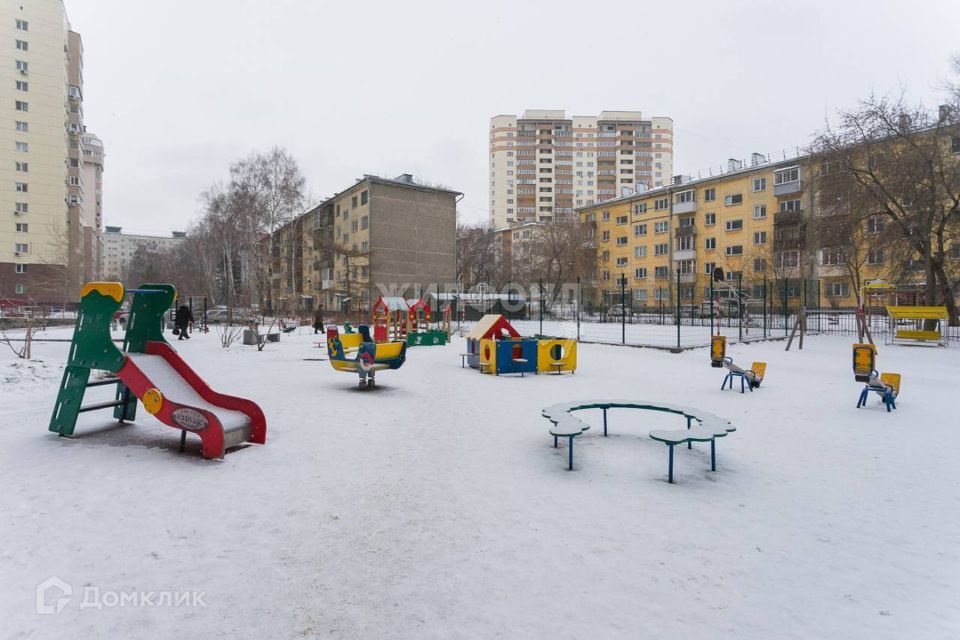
pixel 752 221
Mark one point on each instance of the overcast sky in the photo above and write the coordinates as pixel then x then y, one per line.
pixel 179 89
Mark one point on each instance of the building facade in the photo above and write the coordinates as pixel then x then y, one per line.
pixel 544 165
pixel 48 241
pixel 752 222
pixel 119 249
pixel 379 236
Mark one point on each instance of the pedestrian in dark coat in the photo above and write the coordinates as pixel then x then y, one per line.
pixel 318 320
pixel 181 320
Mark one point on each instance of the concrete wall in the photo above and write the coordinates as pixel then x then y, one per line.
pixel 412 237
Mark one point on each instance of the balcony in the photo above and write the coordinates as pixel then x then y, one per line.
pixel 685 230
pixel 684 254
pixel 326 284
pixel 787 217
pixel 690 206
pixel 788 188
pixel 687 278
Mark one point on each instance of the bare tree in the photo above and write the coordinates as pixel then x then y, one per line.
pixel 904 161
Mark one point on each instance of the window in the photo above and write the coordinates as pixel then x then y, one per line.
pixel 759 237
pixel 364 222
pixel 622 219
pixel 955 252
pixel 784 176
pixel 23 126
pixel 710 244
pixel 685 243
pixel 710 219
pixel 838 289
pixel 22 147
pixel 640 208
pixel 355 226
pixel 875 257
pixel 363 197
pixel 74 181
pixel 22 227
pixel 660 272
pixel 22 207
pixel 832 257
pixel 735 250
pixel 660 204
pixel 874 224
pixel 787 259
pixel 760 212
pixel 23 25
pixel 22 66
pixel 21 288
pixel 731 200
pixel 640 252
pixel 686 196
pixel 364 246
pixel 23 167
pixel 22 247
pixel 22 85
pixel 621 241
pixel 622 262
pixel 605 216
pixel 21 268
pixel 661 227
pixel 661 249
pixel 734 225
pixel 353 202
pixel 709 195
pixel 708 268
pixel 792 206
pixel 21 187
pixel 955 144
pixel 759 184
pixel 759 265
pixel 639 229
pixel 22 106
pixel 605 236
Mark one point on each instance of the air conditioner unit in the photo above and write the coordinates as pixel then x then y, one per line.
pixel 17 253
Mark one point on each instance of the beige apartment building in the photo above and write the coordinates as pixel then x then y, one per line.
pixel 49 233
pixel 544 164
pixel 377 236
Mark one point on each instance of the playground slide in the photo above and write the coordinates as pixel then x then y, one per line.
pixel 178 397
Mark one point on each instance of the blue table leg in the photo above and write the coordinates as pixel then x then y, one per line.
pixel 570 454
pixel 670 467
pixel 604 423
pixel 713 455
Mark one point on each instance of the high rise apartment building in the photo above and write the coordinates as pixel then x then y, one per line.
pixel 544 165
pixel 119 249
pixel 48 230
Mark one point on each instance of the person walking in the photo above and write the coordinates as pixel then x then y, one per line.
pixel 318 320
pixel 181 320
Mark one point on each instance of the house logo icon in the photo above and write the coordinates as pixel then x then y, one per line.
pixel 53 594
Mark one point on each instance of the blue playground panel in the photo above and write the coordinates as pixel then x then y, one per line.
pixel 511 349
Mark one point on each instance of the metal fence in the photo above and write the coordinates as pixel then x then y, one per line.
pixel 678 323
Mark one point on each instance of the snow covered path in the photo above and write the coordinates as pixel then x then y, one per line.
pixel 437 507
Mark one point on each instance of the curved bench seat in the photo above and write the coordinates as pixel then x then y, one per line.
pixel 709 426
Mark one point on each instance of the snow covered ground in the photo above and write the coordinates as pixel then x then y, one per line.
pixel 437 507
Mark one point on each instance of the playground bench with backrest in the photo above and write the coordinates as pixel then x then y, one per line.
pixel 913 325
pixel 709 427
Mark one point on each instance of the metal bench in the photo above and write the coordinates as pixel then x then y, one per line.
pixel 708 426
